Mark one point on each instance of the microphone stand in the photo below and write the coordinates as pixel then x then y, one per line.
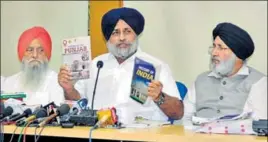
pixel 94 92
pixel 88 117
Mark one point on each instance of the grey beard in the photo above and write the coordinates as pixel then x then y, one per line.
pixel 122 53
pixel 33 75
pixel 225 68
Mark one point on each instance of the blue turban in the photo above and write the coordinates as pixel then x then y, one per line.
pixel 237 39
pixel 131 16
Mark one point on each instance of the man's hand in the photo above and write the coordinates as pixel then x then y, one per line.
pixel 172 106
pixel 155 89
pixel 64 79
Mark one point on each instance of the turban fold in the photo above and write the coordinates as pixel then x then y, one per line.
pixel 131 16
pixel 34 33
pixel 237 39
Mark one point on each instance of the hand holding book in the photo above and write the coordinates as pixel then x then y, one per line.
pixel 143 81
pixel 65 78
pixel 155 89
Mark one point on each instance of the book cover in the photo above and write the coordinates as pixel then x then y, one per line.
pixel 143 73
pixel 76 54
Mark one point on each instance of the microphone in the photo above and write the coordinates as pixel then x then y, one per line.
pixel 106 117
pixel 7 118
pixel 38 120
pixel 38 113
pixel 62 110
pixel 102 122
pixel 99 66
pixel 25 113
pixel 75 111
pixel 2 108
pixel 49 104
pixel 7 111
pixel 66 117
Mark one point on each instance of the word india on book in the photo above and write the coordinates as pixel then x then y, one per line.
pixel 145 73
pixel 73 49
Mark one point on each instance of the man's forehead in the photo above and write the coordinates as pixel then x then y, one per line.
pixel 219 41
pixel 121 24
pixel 35 43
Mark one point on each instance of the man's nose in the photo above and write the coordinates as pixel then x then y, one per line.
pixel 122 37
pixel 35 54
pixel 214 52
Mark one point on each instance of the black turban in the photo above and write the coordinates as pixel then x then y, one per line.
pixel 131 16
pixel 237 39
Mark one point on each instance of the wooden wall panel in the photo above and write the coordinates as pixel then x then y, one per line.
pixel 97 9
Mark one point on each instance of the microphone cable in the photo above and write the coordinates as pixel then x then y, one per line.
pixel 1 132
pixel 35 133
pixel 25 129
pixel 21 131
pixel 97 125
pixel 13 134
pixel 90 132
pixel 36 137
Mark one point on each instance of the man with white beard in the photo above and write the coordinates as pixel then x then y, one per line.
pixel 121 28
pixel 35 78
pixel 231 87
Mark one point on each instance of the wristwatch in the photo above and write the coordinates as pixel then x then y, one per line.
pixel 161 100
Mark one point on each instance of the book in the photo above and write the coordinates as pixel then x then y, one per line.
pixel 76 54
pixel 143 73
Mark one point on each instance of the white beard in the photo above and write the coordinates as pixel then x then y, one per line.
pixel 33 74
pixel 224 68
pixel 122 53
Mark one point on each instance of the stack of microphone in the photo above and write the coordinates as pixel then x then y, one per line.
pixel 42 116
pixel 39 117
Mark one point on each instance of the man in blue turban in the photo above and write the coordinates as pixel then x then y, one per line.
pixel 121 28
pixel 230 87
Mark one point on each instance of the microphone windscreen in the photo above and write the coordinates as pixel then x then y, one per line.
pixel 8 111
pixel 82 103
pixel 28 111
pixel 75 111
pixel 63 109
pixel 110 113
pixel 99 64
pixel 41 112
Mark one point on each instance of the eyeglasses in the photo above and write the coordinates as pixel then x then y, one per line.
pixel 39 50
pixel 218 48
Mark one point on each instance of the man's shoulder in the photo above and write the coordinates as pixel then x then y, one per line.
pixel 254 76
pixel 13 76
pixel 102 57
pixel 52 75
pixel 255 72
pixel 203 75
pixel 149 57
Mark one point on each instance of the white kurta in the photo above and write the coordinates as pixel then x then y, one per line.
pixel 113 88
pixel 49 91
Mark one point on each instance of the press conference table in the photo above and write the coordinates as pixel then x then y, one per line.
pixel 169 133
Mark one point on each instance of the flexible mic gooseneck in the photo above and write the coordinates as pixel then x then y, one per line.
pixel 99 66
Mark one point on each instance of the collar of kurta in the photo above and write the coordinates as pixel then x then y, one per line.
pixel 244 70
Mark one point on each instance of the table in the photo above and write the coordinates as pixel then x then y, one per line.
pixel 167 133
